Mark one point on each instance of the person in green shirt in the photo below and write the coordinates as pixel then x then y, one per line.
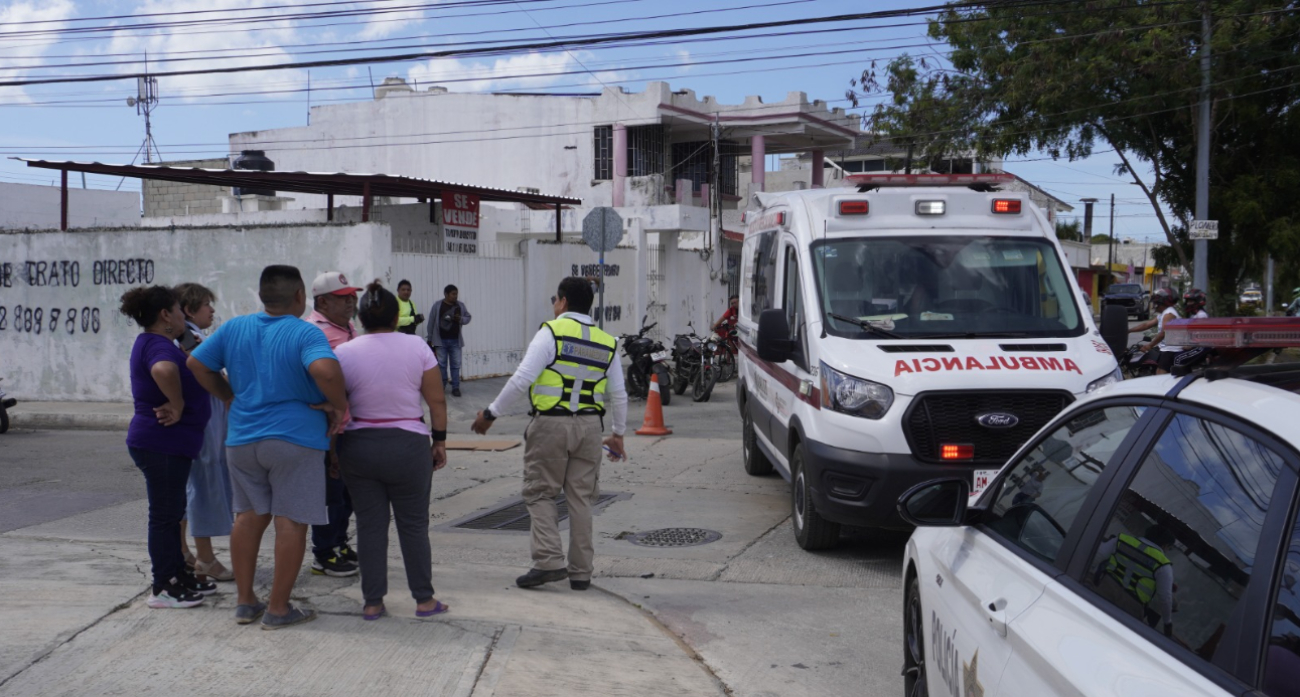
pixel 408 319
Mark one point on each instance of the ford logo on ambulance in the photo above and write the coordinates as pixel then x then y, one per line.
pixel 997 419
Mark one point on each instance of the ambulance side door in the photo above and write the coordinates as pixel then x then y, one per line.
pixel 759 263
pixel 794 377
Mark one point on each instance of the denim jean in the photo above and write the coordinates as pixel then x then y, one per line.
pixel 449 359
pixel 324 538
pixel 165 477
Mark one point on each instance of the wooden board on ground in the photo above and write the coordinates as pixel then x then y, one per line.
pixel 482 445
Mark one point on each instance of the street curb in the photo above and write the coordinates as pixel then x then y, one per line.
pixel 47 421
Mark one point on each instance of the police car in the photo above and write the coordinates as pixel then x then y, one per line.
pixel 1144 542
pixel 918 326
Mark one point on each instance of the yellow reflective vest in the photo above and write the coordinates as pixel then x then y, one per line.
pixel 1134 566
pixel 574 383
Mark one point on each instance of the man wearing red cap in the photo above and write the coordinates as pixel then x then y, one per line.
pixel 335 304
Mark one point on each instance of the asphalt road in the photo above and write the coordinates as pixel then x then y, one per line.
pixel 50 475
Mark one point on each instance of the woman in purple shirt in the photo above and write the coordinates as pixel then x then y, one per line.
pixel 165 435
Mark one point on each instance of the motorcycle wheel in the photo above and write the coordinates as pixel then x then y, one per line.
pixel 636 384
pixel 681 379
pixel 665 383
pixel 704 382
pixel 4 420
pixel 727 370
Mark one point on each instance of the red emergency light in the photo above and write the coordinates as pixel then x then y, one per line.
pixel 1006 205
pixel 957 451
pixel 1234 332
pixel 854 207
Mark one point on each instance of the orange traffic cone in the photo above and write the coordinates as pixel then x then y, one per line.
pixel 654 412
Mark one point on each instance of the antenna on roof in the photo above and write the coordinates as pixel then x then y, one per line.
pixel 144 101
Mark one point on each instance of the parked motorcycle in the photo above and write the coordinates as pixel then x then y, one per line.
pixel 687 351
pixel 707 376
pixel 5 404
pixel 727 356
pixel 647 356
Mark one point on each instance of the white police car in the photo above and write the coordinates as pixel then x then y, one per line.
pixel 1145 542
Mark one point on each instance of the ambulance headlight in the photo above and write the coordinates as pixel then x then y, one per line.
pixel 1108 379
pixel 855 396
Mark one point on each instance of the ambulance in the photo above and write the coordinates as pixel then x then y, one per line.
pixel 913 327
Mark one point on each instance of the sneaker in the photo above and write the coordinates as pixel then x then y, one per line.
pixel 194 585
pixel 346 553
pixel 455 392
pixel 333 566
pixel 173 595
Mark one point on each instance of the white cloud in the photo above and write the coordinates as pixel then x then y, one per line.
pixel 10 15
pixel 529 70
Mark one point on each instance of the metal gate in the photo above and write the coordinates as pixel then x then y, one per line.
pixel 656 287
pixel 490 286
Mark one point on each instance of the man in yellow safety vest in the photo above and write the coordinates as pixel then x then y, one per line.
pixel 571 374
pixel 1139 565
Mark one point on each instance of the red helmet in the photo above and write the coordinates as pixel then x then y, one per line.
pixel 1162 298
pixel 1194 300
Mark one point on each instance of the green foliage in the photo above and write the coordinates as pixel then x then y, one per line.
pixel 1101 238
pixel 1069 232
pixel 1123 75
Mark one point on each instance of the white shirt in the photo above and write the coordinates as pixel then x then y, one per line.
pixel 541 353
pixel 1169 313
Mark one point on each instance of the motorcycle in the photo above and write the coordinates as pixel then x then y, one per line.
pixel 727 357
pixel 647 356
pixel 687 350
pixel 5 404
pixel 707 375
pixel 1134 363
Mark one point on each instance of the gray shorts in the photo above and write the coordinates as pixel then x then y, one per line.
pixel 280 478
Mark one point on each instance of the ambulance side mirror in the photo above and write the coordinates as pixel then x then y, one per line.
pixel 936 503
pixel 1114 328
pixel 774 342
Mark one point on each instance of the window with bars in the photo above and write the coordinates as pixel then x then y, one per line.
pixel 645 151
pixel 604 148
pixel 694 161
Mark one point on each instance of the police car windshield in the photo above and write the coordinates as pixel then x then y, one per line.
pixel 945 286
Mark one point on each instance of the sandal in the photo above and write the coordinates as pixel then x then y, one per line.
pixel 438 609
pixel 372 616
pixel 213 570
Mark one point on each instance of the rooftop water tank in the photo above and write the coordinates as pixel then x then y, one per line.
pixel 254 160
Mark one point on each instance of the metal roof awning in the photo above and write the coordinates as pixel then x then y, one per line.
pixel 367 186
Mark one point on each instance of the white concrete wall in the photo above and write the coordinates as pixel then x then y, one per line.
pixel 33 207
pixel 81 348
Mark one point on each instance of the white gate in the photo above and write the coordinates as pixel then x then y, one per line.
pixel 656 309
pixel 492 288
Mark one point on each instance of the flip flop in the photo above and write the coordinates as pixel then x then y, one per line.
pixel 438 609
pixel 370 617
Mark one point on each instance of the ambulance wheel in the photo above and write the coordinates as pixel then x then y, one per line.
pixel 756 463
pixel 914 681
pixel 811 531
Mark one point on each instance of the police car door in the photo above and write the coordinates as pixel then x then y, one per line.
pixel 981 578
pixel 794 379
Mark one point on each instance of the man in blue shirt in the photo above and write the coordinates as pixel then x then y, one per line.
pixel 288 399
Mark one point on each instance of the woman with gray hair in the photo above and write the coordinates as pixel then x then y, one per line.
pixel 385 454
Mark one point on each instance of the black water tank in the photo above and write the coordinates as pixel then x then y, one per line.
pixel 255 160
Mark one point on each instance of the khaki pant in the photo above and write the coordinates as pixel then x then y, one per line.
pixel 562 454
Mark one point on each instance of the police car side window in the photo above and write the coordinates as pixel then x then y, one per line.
pixel 1282 656
pixel 1178 551
pixel 1043 492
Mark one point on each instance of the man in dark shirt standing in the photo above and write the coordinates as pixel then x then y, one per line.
pixel 445 336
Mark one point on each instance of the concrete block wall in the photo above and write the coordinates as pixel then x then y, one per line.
pixel 162 198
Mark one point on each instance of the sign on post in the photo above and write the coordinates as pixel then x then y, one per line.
pixel 460 223
pixel 1204 230
pixel 602 230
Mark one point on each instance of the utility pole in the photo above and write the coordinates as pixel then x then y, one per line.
pixel 1201 271
pixel 1110 244
pixel 715 211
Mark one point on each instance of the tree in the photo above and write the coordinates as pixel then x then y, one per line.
pixel 1070 232
pixel 1123 75
pixel 1100 238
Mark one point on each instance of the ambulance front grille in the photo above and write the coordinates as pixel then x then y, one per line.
pixel 950 417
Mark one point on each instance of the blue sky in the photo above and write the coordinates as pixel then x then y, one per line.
pixel 92 121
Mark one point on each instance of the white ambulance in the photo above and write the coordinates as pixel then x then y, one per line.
pixel 918 326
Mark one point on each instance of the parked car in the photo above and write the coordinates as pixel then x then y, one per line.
pixel 1146 541
pixel 1129 296
pixel 1251 297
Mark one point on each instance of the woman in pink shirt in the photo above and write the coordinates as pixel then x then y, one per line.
pixel 385 454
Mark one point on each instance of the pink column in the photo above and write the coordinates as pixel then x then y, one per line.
pixel 620 163
pixel 758 153
pixel 819 168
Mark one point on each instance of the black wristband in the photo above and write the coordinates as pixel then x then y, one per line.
pixel 488 415
pixel 438 436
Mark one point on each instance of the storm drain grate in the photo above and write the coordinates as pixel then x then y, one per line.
pixel 674 537
pixel 513 516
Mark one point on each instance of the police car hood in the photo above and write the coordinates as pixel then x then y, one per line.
pixel 911 366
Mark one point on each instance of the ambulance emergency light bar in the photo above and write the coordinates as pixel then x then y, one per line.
pixel 873 180
pixel 1234 332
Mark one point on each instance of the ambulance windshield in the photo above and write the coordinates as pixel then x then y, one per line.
pixel 945 287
